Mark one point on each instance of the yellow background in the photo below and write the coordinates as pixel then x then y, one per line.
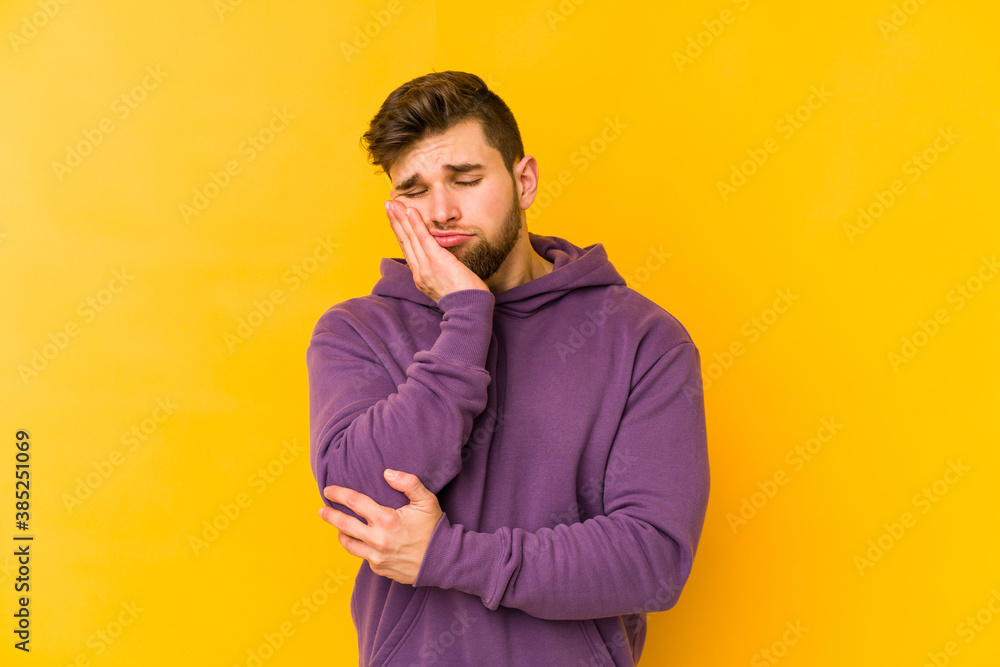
pixel 566 69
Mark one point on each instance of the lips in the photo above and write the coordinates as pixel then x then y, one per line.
pixel 435 232
pixel 448 240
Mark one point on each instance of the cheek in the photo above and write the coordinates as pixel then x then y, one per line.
pixel 490 204
pixel 421 206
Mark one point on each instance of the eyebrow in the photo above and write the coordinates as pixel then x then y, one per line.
pixel 462 168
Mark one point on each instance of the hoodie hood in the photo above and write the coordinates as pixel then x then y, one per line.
pixel 573 267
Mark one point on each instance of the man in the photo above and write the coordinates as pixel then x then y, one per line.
pixel 511 438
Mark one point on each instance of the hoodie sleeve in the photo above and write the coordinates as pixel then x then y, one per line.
pixel 361 422
pixel 634 559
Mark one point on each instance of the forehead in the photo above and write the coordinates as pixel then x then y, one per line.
pixel 462 143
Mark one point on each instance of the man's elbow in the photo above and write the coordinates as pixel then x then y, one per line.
pixel 324 456
pixel 672 575
pixel 330 468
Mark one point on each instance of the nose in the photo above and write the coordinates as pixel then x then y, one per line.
pixel 443 211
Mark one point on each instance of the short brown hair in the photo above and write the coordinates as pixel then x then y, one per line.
pixel 432 104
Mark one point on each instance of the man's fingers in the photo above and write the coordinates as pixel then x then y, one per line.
pixel 405 228
pixel 411 485
pixel 397 228
pixel 426 242
pixel 345 524
pixel 415 229
pixel 354 546
pixel 359 503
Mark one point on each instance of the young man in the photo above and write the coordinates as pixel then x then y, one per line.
pixel 522 435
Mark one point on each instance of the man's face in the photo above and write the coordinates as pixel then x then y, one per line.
pixel 459 183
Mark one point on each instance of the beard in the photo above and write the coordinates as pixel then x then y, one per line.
pixel 485 258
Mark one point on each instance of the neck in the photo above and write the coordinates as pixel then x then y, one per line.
pixel 522 265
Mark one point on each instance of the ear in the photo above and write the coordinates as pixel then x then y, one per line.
pixel 525 175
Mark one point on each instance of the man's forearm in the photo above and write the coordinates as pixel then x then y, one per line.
pixel 358 429
pixel 605 566
pixel 638 553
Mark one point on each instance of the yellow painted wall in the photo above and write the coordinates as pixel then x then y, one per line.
pixel 824 177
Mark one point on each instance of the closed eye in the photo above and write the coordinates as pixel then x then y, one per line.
pixel 411 195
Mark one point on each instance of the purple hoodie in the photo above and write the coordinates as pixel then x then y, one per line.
pixel 561 425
